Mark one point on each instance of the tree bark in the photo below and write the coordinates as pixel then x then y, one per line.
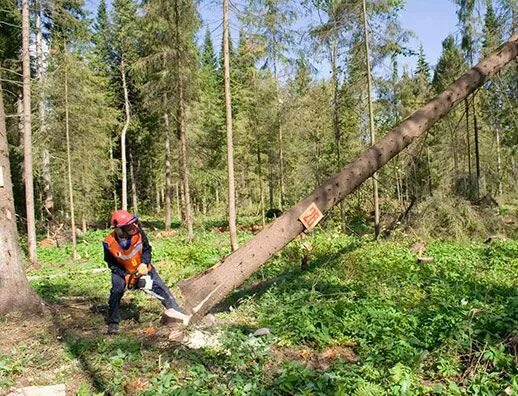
pixel 178 201
pixel 27 135
pixel 158 207
pixel 167 172
pixel 48 200
pixel 230 146
pixel 69 163
pixel 468 140
pixel 371 123
pixel 113 175
pixel 184 174
pixel 498 161
pixel 15 292
pixel 133 182
pixel 261 187
pixel 206 289
pixel 123 137
pixel 477 154
pixel 336 120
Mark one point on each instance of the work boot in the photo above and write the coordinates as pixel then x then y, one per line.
pixel 113 328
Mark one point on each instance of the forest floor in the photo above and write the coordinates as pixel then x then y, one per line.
pixel 363 318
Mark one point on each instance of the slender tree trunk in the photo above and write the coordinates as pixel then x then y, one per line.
pixel 178 203
pixel 133 181
pixel 83 223
pixel 204 201
pixel 206 289
pixel 15 292
pixel 477 154
pixel 429 166
pixel 282 195
pixel 69 163
pixel 455 151
pixel 281 139
pixel 167 172
pixel 123 137
pixel 21 120
pixel 498 161
pixel 184 174
pixel 270 183
pixel 27 135
pixel 48 200
pixel 336 121
pixel 468 140
pixel 183 167
pixel 230 146
pixel 113 176
pixel 371 122
pixel 398 187
pixel 158 207
pixel 261 187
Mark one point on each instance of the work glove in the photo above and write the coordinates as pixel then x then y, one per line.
pixel 142 270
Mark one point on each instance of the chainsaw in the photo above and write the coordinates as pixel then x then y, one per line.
pixel 145 283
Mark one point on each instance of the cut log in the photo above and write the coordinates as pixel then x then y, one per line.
pixel 206 289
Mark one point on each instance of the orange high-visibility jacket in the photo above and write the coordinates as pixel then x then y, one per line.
pixel 129 258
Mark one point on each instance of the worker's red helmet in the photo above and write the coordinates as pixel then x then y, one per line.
pixel 121 218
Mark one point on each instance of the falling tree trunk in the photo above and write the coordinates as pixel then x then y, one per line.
pixel 69 163
pixel 133 182
pixel 206 289
pixel 167 172
pixel 371 122
pixel 230 147
pixel 27 135
pixel 15 292
pixel 123 137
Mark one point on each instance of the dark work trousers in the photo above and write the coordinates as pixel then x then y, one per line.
pixel 117 291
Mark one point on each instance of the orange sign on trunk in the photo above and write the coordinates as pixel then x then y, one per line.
pixel 311 216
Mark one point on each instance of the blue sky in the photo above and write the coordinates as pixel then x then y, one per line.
pixel 430 20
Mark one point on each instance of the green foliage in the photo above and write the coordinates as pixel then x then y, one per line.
pixel 10 33
pixel 449 66
pixel 413 328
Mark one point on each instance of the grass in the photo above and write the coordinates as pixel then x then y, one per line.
pixel 364 319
